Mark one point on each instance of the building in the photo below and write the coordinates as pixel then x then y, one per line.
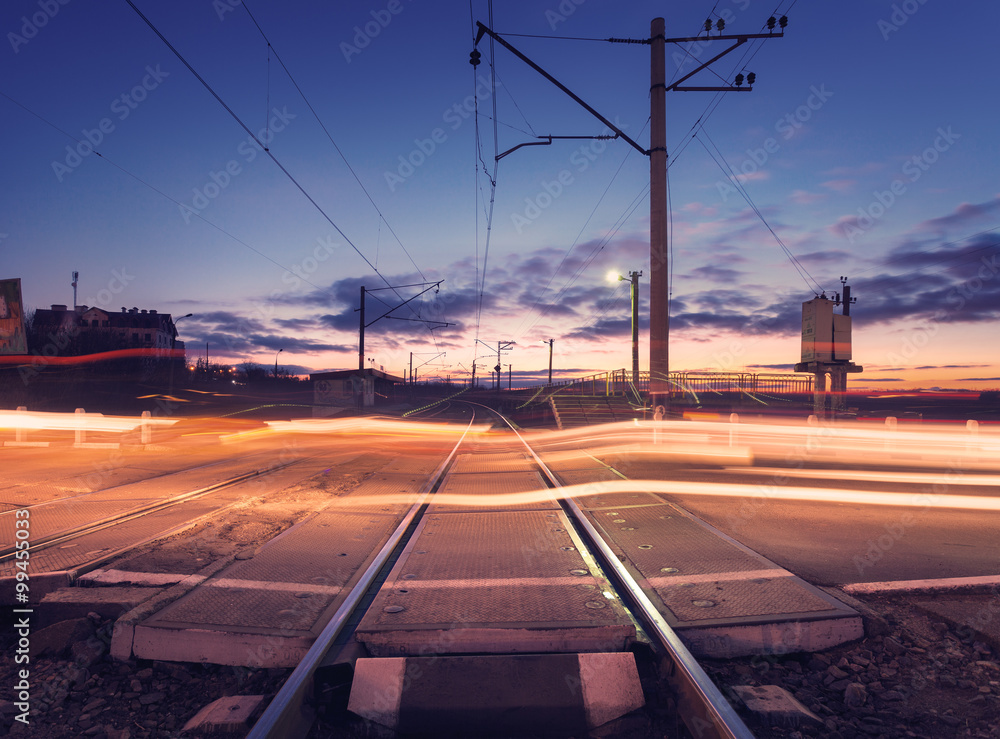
pixel 86 330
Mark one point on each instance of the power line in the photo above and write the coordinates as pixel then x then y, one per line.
pixel 330 137
pixel 731 174
pixel 256 140
pixel 141 181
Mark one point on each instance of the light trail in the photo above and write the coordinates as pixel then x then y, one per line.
pixel 707 489
pixel 37 420
pixel 911 478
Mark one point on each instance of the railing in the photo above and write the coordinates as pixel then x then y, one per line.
pixel 690 384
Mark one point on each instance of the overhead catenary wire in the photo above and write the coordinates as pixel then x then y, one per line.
pixel 572 246
pixel 256 140
pixel 274 159
pixel 329 136
pixel 732 176
pixel 186 209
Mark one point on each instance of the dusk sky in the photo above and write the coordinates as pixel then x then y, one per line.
pixel 868 145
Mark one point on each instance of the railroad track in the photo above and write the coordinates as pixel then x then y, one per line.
pixel 124 518
pixel 701 705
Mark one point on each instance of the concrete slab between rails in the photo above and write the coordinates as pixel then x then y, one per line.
pixel 103 578
pixel 123 636
pixel 67 603
pixel 742 640
pixel 28 443
pixel 501 582
pixel 266 611
pixel 722 598
pixel 508 694
pixel 39 584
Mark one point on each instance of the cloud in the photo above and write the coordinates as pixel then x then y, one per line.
pixel 803 197
pixel 963 215
pixel 854 171
pixel 713 273
pixel 950 366
pixel 841 185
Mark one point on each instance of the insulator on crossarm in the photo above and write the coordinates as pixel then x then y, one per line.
pixel 708 25
pixel 739 79
pixel 474 57
pixel 783 21
pixel 720 25
pixel 751 78
pixel 771 23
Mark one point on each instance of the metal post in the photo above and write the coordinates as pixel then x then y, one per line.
pixel 411 368
pixel 20 433
pixel 361 333
pixel 146 428
pixel 635 326
pixel 658 269
pixel 81 433
pixel 550 360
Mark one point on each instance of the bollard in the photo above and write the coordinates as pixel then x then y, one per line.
pixel 657 416
pixel 972 426
pixel 145 429
pixel 890 431
pixel 81 433
pixel 20 432
pixel 734 420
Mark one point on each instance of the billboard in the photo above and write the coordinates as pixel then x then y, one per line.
pixel 12 336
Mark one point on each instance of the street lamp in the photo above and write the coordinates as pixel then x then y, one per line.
pixel 634 293
pixel 276 362
pixel 173 348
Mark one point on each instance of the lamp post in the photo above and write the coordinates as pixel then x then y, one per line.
pixel 276 362
pixel 634 294
pixel 549 342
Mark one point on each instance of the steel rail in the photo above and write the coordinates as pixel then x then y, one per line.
pixel 703 708
pixel 288 715
pixel 8 553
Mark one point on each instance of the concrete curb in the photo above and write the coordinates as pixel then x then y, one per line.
pixel 124 633
pixel 507 693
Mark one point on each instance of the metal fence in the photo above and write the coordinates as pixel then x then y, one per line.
pixel 694 385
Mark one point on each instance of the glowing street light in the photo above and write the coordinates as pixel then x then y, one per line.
pixel 613 276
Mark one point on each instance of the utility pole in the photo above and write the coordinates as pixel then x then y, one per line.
pixel 659 272
pixel 549 342
pixel 659 299
pixel 362 325
pixel 361 333
pixel 634 290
